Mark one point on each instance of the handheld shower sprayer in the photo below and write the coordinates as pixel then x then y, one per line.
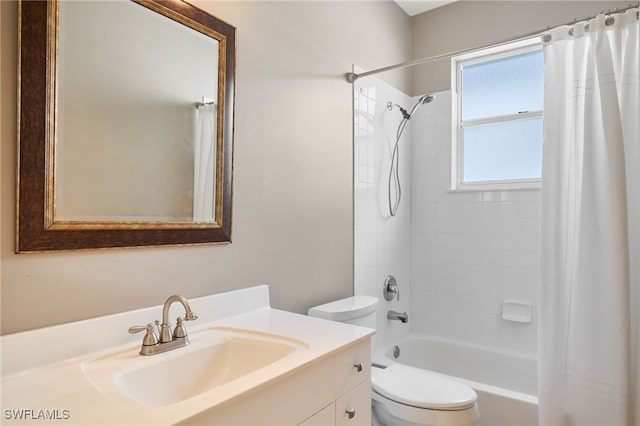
pixel 394 171
pixel 424 99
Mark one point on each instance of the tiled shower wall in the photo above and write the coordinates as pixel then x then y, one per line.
pixel 457 256
pixel 382 243
pixel 471 251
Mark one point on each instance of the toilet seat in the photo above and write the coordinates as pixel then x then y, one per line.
pixel 392 413
pixel 420 388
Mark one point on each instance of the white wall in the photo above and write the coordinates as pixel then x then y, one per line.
pixel 292 206
pixel 457 256
pixel 382 243
pixel 470 251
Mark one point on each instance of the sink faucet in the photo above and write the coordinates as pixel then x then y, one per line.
pixel 179 332
pixel 403 317
pixel 152 344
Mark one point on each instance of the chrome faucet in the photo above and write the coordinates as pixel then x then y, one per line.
pixel 403 317
pixel 152 344
pixel 390 289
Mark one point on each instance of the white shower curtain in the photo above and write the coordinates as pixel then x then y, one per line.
pixel 588 318
pixel 204 163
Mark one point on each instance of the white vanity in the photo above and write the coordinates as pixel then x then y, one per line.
pixel 247 364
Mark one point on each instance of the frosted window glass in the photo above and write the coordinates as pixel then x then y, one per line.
pixel 503 151
pixel 503 86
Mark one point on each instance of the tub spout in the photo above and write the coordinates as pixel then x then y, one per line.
pixel 403 317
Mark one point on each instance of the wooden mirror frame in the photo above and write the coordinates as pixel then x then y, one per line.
pixel 35 229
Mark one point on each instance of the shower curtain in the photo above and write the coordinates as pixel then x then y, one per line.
pixel 204 162
pixel 588 314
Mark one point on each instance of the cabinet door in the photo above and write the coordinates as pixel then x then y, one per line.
pixel 287 401
pixel 354 408
pixel 353 366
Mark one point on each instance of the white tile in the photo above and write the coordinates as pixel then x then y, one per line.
pixel 460 253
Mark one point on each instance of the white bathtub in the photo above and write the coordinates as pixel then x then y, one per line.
pixel 505 383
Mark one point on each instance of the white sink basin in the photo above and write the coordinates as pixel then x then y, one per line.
pixel 216 357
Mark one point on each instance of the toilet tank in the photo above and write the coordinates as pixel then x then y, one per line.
pixel 355 310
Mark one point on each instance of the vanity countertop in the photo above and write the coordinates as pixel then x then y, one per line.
pixel 56 385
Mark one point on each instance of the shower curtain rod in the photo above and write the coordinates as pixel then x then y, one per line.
pixel 351 76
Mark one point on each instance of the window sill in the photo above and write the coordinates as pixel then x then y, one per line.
pixel 496 188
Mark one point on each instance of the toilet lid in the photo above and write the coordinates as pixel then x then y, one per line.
pixel 345 309
pixel 422 388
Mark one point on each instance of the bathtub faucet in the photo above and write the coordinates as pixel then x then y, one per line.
pixel 403 317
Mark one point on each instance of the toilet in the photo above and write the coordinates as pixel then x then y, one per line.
pixel 401 394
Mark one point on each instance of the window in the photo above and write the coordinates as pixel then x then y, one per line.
pixel 497 134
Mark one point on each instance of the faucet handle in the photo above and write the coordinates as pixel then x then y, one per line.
pixel 138 328
pixel 390 288
pixel 179 330
pixel 150 338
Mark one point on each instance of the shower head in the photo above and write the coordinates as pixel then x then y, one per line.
pixel 425 99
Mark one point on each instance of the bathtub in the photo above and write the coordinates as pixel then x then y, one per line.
pixel 505 383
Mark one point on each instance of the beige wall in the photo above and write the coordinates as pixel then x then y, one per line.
pixel 467 24
pixel 292 217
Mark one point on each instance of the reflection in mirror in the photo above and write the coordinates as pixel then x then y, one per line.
pixel 133 145
pixel 125 125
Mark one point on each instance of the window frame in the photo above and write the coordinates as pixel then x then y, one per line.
pixel 457 143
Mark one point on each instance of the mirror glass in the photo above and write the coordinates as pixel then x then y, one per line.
pixel 134 139
pixel 125 125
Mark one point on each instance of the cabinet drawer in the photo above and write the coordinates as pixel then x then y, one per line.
pixel 354 408
pixel 353 366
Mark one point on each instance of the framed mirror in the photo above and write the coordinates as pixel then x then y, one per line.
pixel 125 128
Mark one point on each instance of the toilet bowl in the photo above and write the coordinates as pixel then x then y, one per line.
pixel 404 395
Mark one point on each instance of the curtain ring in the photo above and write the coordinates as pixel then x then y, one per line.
pixel 609 21
pixel 572 26
pixel 547 37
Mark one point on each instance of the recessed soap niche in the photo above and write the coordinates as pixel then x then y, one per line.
pixel 516 311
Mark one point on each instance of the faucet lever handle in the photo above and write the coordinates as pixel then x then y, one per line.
pixel 390 288
pixel 138 328
pixel 150 338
